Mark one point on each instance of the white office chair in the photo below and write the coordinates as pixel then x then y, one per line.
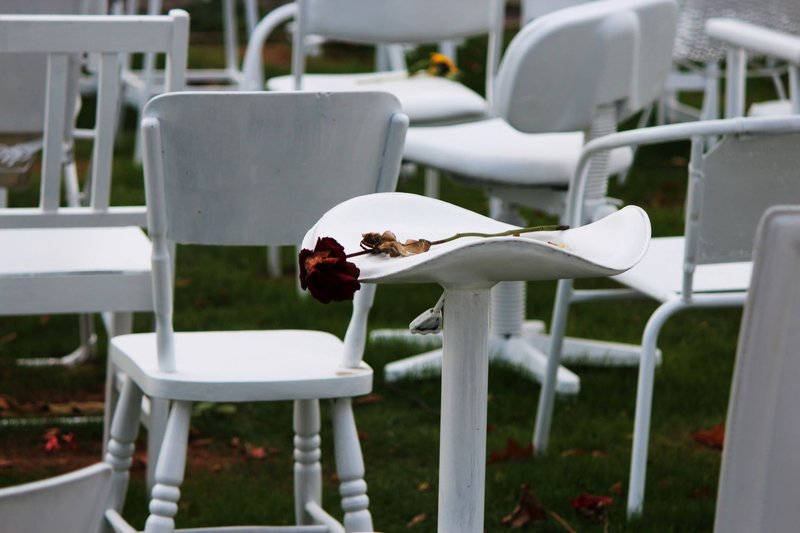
pixel 759 479
pixel 732 182
pixel 270 166
pixel 92 258
pixel 613 57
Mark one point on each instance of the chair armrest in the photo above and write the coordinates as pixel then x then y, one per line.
pixel 756 38
pixel 252 71
pixel 117 523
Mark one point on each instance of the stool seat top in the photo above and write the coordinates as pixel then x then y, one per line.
pixel 604 248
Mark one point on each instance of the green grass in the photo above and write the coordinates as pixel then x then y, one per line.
pixel 591 438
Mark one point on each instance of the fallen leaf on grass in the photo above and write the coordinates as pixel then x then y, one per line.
pixel 424 486
pixel 616 488
pixel 369 399
pixel 529 510
pixel 592 506
pixel 9 337
pixel 713 437
pixel 255 452
pixel 7 402
pixel 512 452
pixel 418 519
pixel 55 441
pixel 5 463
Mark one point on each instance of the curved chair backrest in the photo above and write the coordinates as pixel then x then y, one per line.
pixel 70 503
pixel 260 168
pixel 560 68
pixel 758 483
pixel 60 37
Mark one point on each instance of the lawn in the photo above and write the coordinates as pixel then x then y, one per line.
pixel 240 468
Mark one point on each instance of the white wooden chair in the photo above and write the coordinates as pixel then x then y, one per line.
pixel 22 118
pixel 267 170
pixel 614 57
pixel 731 183
pixel 758 484
pixel 742 39
pixel 92 258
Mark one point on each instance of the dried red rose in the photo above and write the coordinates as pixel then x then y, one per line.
pixel 326 273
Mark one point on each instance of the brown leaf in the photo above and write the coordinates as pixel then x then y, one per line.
pixel 512 452
pixel 616 488
pixel 592 506
pixel 182 282
pixel 6 463
pixel 9 337
pixel 597 454
pixel 573 452
pixel 529 510
pixel 418 519
pixel 255 452
pixel 7 403
pixel 369 399
pixel 423 487
pixel 713 437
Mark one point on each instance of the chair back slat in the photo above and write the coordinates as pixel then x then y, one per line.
pixel 108 92
pixel 397 21
pixel 618 53
pixel 55 111
pixel 738 179
pixel 284 159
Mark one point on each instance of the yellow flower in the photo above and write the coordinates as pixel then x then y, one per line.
pixel 441 65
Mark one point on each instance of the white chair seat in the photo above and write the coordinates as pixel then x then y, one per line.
pixel 258 366
pixel 591 250
pixel 772 108
pixel 423 98
pixel 75 270
pixel 660 273
pixel 492 151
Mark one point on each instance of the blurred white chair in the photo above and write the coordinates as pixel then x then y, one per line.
pixel 425 99
pixel 743 38
pixel 758 484
pixel 613 57
pixel 731 183
pixel 70 503
pixel 273 163
pixel 92 258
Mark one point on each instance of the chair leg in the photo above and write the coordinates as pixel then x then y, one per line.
pixel 156 428
pixel 350 468
pixel 307 468
pixel 644 404
pixel 170 470
pixel 544 413
pixel 118 324
pixel 121 444
pixel 432 183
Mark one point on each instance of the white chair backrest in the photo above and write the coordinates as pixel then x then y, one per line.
pixel 71 503
pixel 397 21
pixel 530 9
pixel 61 37
pixel 560 68
pixel 730 187
pixel 760 476
pixel 239 168
pixel 260 168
